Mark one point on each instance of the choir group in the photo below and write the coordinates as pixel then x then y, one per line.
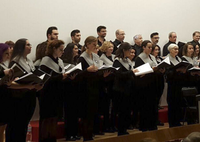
pixel 107 101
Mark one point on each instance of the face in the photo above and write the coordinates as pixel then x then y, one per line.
pixel 6 55
pixel 156 51
pixel 92 46
pixel 139 40
pixel 197 49
pixel 102 33
pixel 54 35
pixel 173 37
pixel 155 39
pixel 76 38
pixel 27 49
pixel 127 53
pixel 196 37
pixel 59 51
pixel 75 51
pixel 121 35
pixel 174 51
pixel 132 54
pixel 148 48
pixel 110 49
pixel 190 50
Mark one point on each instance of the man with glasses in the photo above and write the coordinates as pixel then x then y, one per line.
pixel 120 35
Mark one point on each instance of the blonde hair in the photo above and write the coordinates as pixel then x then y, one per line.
pixel 105 46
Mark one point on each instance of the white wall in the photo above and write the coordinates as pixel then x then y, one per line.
pixel 31 18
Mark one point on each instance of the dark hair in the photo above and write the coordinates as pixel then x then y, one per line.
pixel 153 34
pixel 3 48
pixel 185 47
pixel 18 49
pixel 50 29
pixel 53 44
pixel 144 43
pixel 153 48
pixel 74 32
pixel 195 33
pixel 135 52
pixel 120 51
pixel 67 57
pixel 100 27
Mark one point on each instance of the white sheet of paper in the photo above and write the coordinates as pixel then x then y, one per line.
pixel 79 66
pixel 144 69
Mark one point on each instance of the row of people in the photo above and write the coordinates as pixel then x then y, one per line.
pixel 90 84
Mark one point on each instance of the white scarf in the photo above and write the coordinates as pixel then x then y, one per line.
pixel 107 61
pixel 95 61
pixel 47 61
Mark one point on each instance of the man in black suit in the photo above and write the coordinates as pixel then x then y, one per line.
pixel 172 39
pixel 120 35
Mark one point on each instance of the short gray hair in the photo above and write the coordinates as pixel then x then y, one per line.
pixel 172 45
pixel 136 36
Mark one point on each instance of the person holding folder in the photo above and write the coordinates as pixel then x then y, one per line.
pixel 91 84
pixel 72 95
pixel 147 90
pixel 4 91
pixel 175 80
pixel 159 76
pixel 51 98
pixel 23 98
pixel 107 101
pixel 122 86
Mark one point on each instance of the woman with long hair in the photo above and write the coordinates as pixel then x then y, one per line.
pixel 122 86
pixel 23 100
pixel 71 96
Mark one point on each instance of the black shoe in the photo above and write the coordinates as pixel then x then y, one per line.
pixel 114 129
pixel 159 107
pixel 124 133
pixel 77 137
pixel 72 138
pixel 109 130
pixel 130 127
pixel 99 133
pixel 90 139
pixel 160 123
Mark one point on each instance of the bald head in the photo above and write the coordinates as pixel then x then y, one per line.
pixel 120 35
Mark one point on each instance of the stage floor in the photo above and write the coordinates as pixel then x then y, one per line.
pixel 111 135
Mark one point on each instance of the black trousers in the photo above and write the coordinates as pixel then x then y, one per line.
pixel 71 117
pixel 123 112
pixel 21 111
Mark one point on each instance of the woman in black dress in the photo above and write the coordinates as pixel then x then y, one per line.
pixel 122 86
pixel 146 89
pixel 91 84
pixel 51 98
pixel 23 98
pixel 71 95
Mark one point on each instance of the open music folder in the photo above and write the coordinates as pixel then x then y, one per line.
pixel 144 69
